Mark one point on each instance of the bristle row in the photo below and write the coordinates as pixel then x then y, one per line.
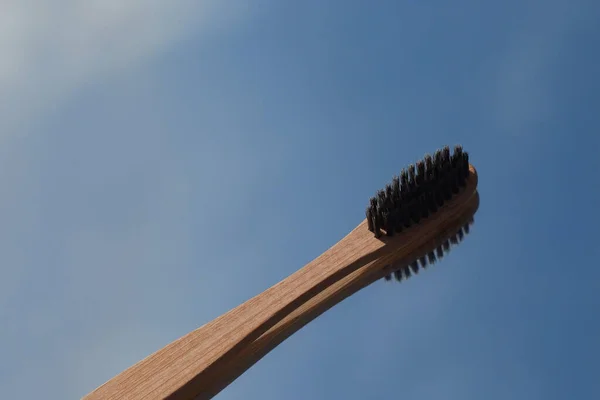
pixel 419 191
pixel 405 271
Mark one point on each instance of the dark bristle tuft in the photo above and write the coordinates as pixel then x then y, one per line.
pixel 431 258
pixel 403 272
pixel 446 154
pixel 418 191
pixel 370 219
pixel 414 266
pixel 446 245
pixel 439 253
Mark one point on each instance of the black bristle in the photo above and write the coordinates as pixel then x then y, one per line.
pixel 412 173
pixel 420 172
pixel 466 229
pixel 414 266
pixel 398 275
pixel 403 272
pixel 382 201
pixel 396 188
pixel 418 191
pixel 388 193
pixel 457 156
pixel 446 245
pixel 446 154
pixel 439 252
pixel 426 209
pixel 437 159
pixel 370 219
pixel 429 170
pixel 404 180
pixel 431 257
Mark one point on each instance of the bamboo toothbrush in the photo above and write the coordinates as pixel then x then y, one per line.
pixel 334 295
pixel 410 222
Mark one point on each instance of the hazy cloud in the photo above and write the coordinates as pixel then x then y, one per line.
pixel 50 49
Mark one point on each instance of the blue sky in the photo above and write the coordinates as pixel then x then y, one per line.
pixel 138 139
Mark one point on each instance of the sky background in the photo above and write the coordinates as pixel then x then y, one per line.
pixel 138 139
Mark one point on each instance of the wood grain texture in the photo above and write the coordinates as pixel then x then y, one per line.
pixel 197 364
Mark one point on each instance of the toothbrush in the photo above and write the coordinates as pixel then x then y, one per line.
pixel 334 295
pixel 413 221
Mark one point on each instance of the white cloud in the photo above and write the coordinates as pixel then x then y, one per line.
pixel 50 49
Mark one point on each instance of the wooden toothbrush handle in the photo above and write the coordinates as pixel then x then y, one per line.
pixel 188 366
pixel 326 271
pixel 316 306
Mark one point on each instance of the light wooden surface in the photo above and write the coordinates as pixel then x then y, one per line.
pixel 197 364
